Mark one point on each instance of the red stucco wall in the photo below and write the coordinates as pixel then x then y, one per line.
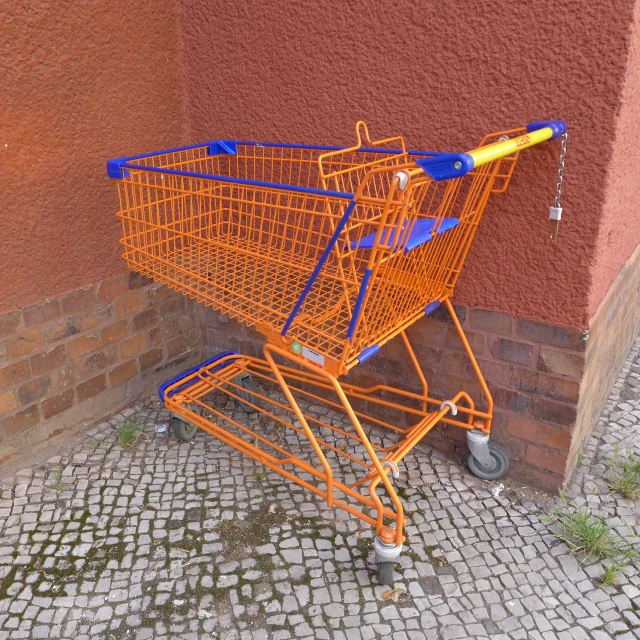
pixel 442 75
pixel 619 232
pixel 82 82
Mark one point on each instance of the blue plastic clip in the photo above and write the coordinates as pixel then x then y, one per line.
pixel 431 307
pixel 223 146
pixel 447 165
pixel 368 353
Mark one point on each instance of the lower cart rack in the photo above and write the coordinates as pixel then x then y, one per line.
pixel 326 436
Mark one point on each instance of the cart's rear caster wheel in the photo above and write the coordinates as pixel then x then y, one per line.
pixel 247 393
pixel 498 465
pixel 385 573
pixel 182 429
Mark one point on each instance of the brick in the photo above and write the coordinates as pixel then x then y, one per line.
pixel 42 312
pixel 82 345
pixel 559 389
pixel 129 303
pixel 145 319
pixel 137 280
pixel 14 373
pixel 63 378
pixel 99 361
pixel 164 332
pixel 158 294
pixel 43 362
pixel 442 314
pixel 561 362
pixel 171 307
pixel 538 434
pixel 113 287
pixel 33 390
pixel 546 459
pixel 512 351
pixel 114 332
pixel 8 402
pixel 510 400
pixel 491 321
pixel 476 341
pixel 134 345
pixel 552 335
pixel 61 329
pixel 79 300
pixel 9 324
pixel 84 322
pixel 150 358
pixel 57 404
pixel 524 380
pixel 123 372
pixel 26 342
pixel 496 372
pixel 92 387
pixel 19 422
pixel 515 448
pixel 177 346
pixel 550 411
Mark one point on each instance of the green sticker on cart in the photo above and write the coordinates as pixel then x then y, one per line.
pixel 297 347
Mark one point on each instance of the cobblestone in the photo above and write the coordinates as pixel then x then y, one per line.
pixel 193 540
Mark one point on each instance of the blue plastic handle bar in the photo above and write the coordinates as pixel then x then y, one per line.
pixel 165 385
pixel 256 183
pixel 559 127
pixel 323 258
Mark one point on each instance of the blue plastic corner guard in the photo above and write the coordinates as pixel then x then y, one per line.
pixel 165 385
pixel 115 169
pixel 368 353
pixel 559 127
pixel 447 165
pixel 431 307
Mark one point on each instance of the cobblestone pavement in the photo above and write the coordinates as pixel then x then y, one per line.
pixel 193 540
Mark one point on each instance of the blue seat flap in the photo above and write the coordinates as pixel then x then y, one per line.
pixel 420 233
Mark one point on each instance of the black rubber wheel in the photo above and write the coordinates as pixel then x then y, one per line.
pixel 182 429
pixel 247 393
pixel 385 573
pixel 499 463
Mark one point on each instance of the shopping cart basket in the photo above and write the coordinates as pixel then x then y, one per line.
pixel 330 253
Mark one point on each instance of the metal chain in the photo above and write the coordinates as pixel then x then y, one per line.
pixel 563 152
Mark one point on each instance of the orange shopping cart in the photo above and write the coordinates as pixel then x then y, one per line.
pixel 329 253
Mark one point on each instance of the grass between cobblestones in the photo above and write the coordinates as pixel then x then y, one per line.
pixel 624 475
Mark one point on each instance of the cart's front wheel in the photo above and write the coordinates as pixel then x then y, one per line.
pixel 385 573
pixel 182 429
pixel 247 393
pixel 498 465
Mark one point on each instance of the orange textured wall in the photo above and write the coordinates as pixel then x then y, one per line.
pixel 442 74
pixel 619 232
pixel 82 82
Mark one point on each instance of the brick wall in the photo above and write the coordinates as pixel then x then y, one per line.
pixel 612 331
pixel 69 360
pixel 533 371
